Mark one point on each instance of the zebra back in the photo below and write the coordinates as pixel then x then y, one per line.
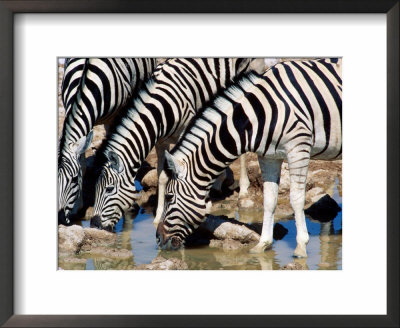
pixel 166 103
pixel 291 96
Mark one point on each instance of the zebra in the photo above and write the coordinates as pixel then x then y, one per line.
pixel 163 108
pixel 293 112
pixel 93 90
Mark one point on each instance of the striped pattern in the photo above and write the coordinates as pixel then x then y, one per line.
pixel 93 90
pixel 293 112
pixel 163 108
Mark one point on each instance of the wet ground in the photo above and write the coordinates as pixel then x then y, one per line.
pixel 137 234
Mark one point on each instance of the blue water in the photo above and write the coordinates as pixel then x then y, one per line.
pixel 143 239
pixel 137 234
pixel 324 245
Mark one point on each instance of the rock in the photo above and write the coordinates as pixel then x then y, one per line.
pixel 223 228
pixel 246 202
pixel 107 252
pixel 325 209
pixel 74 239
pixel 152 158
pixel 293 266
pixel 89 213
pixel 315 194
pixel 143 170
pixel 148 199
pixel 160 263
pixel 99 133
pixel 227 244
pixel 70 263
pixel 150 180
pixel 112 263
pixel 74 260
pixel 95 237
pixel 70 239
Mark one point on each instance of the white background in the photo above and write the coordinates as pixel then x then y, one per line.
pixel 360 288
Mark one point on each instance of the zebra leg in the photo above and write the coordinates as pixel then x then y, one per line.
pixel 244 181
pixel 271 173
pixel 162 180
pixel 298 161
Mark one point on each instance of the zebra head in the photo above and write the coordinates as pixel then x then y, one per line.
pixel 115 193
pixel 185 205
pixel 70 177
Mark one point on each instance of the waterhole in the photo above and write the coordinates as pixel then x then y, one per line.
pixel 137 234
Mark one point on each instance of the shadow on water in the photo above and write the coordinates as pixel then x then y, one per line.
pixel 136 233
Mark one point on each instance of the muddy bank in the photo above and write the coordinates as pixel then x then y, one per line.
pixel 293 266
pixel 76 240
pixel 321 179
pixel 137 237
pixel 76 244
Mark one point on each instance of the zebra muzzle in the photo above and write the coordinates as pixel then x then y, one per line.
pixel 62 219
pixel 160 235
pixel 176 243
pixel 165 242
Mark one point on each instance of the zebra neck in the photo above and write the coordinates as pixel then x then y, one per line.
pixel 133 138
pixel 216 137
pixel 151 119
pixel 201 149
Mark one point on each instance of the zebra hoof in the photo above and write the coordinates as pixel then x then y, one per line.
pixel 260 248
pixel 300 252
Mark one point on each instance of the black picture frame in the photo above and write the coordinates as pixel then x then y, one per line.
pixel 11 7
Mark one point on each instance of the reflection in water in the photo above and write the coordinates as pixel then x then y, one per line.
pixel 324 248
pixel 136 233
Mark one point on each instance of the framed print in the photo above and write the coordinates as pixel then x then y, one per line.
pixel 39 286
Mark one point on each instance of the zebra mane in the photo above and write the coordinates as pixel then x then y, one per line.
pixel 142 94
pixel 130 109
pixel 234 93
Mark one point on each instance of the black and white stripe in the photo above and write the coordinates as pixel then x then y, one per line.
pixel 163 108
pixel 93 90
pixel 292 112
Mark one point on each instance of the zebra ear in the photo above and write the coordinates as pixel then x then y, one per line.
pixel 172 166
pixel 80 146
pixel 115 162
